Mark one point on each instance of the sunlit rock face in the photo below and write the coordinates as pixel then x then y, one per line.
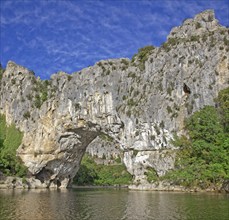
pixel 136 109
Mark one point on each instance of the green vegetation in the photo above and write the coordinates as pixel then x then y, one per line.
pixel 203 160
pixel 194 38
pixel 124 97
pixel 10 139
pixel 125 62
pixel 131 75
pixel 169 91
pixel 100 64
pixel 135 152
pixel 151 175
pixel 13 81
pixel 29 97
pixel 198 25
pixel 106 137
pixel 170 43
pixel 162 124
pixel 26 115
pixel 157 129
pixel 91 173
pixel 226 41
pixel 42 89
pixel 131 103
pixel 118 160
pixel 77 106
pixel 69 77
pixel 223 103
pixel 1 72
pixel 142 56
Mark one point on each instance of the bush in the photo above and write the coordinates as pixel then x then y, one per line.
pixel 204 125
pixel 91 173
pixel 223 108
pixel 142 56
pixel 194 38
pixel 131 103
pixel 170 43
pixel 42 92
pixel 125 62
pixel 204 157
pixel 37 101
pixel 151 175
pixel 1 72
pixel 169 109
pixel 106 137
pixel 10 139
pixel 26 115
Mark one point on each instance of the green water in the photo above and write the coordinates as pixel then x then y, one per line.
pixel 109 204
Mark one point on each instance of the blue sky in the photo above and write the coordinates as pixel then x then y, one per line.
pixel 47 36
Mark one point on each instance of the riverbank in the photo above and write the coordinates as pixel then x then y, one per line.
pixel 100 187
pixel 32 183
pixel 160 186
pixel 151 187
pixel 173 188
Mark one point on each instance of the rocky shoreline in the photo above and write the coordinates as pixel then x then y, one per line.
pixel 161 186
pixel 32 183
pixel 11 182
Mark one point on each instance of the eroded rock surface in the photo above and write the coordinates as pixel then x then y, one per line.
pixel 137 106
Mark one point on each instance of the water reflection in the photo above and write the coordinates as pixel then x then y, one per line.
pixel 34 204
pixel 110 204
pixel 152 206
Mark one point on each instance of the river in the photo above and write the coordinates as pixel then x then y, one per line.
pixel 111 204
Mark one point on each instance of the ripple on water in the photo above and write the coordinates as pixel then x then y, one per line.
pixel 110 204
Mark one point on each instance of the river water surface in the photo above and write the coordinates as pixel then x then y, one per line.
pixel 109 204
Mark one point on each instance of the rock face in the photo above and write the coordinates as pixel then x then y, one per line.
pixel 117 108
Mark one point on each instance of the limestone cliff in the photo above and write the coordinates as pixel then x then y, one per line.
pixel 137 105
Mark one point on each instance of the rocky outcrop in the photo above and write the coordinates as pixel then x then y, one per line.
pixel 117 108
pixel 225 186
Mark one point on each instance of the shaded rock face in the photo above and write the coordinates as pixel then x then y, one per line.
pixel 225 186
pixel 137 109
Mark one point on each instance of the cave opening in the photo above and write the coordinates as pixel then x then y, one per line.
pixel 186 89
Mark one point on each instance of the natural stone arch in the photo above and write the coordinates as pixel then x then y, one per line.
pixel 71 163
pixel 53 151
pixel 57 168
